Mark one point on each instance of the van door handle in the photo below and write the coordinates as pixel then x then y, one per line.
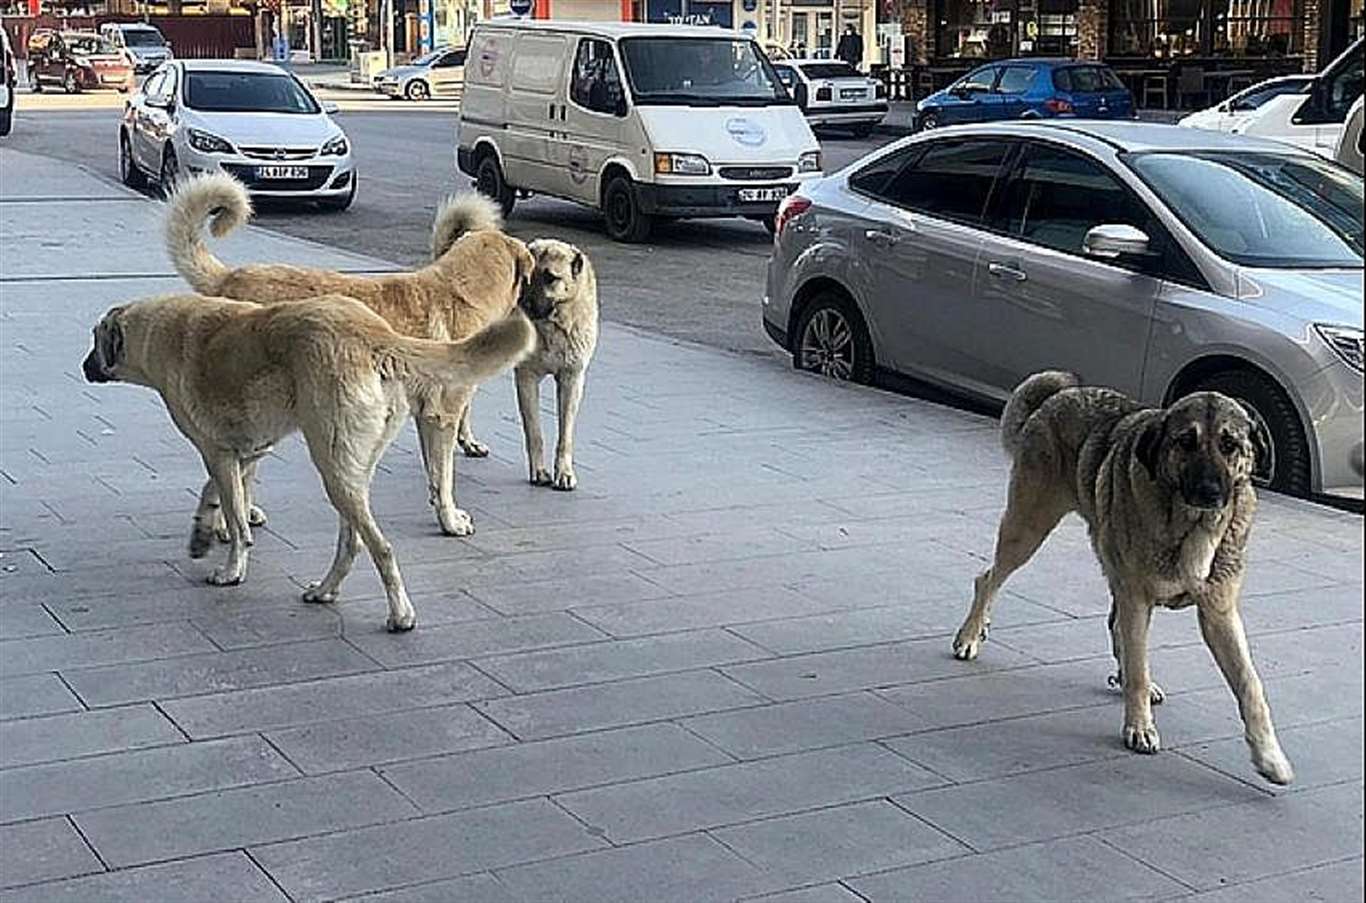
pixel 1001 270
pixel 551 113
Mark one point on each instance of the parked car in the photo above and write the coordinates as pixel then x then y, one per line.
pixel 440 73
pixel 1230 114
pixel 141 44
pixel 638 120
pixel 831 92
pixel 1351 150
pixel 252 120
pixel 7 83
pixel 1153 259
pixel 1028 89
pixel 1313 119
pixel 77 61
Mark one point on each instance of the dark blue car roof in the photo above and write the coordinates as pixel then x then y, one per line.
pixel 1040 62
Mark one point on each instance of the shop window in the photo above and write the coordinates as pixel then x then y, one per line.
pixel 988 29
pixel 1179 28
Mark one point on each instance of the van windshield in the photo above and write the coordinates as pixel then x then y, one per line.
pixel 143 37
pixel 700 72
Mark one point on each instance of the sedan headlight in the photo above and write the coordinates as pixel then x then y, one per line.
pixel 809 162
pixel 1346 341
pixel 209 144
pixel 335 147
pixel 682 165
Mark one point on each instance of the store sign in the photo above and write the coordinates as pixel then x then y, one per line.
pixel 426 24
pixel 520 7
pixel 690 12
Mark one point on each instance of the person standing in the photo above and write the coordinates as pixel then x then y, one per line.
pixel 850 47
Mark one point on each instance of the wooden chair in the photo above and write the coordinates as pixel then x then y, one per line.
pixel 1155 87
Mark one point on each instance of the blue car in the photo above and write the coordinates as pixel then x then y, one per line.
pixel 1028 89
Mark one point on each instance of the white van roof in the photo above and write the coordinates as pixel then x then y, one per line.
pixel 614 30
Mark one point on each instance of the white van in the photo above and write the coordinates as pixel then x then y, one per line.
pixel 1313 119
pixel 141 43
pixel 638 120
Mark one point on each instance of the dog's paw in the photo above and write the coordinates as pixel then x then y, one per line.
pixel 473 448
pixel 1272 764
pixel 1156 695
pixel 315 593
pixel 226 576
pixel 969 642
pixel 564 481
pixel 256 517
pixel 220 527
pixel 402 623
pixel 540 477
pixel 201 540
pixel 1142 739
pixel 456 522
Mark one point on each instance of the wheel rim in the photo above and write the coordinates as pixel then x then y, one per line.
pixel 929 122
pixel 70 83
pixel 619 210
pixel 1265 470
pixel 417 91
pixel 828 345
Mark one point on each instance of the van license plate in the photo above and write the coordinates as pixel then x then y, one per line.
pixel 762 194
pixel 282 172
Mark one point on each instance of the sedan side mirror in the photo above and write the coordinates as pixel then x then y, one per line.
pixel 330 107
pixel 1115 240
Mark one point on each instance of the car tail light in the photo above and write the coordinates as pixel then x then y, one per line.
pixel 792 206
pixel 1057 105
pixel 824 93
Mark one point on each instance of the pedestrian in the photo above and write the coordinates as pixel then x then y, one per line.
pixel 850 47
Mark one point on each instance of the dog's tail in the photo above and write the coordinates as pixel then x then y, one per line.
pixel 1027 398
pixel 468 211
pixel 215 198
pixel 480 357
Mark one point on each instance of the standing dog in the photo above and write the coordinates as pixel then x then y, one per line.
pixel 477 280
pixel 238 377
pixel 1168 500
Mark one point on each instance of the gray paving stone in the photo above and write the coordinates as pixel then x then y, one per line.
pixel 31 741
pixel 550 766
pixel 104 647
pixel 271 627
pixel 839 842
pixel 865 667
pixel 823 893
pixel 474 888
pixel 696 869
pixel 1255 840
pixel 804 724
pixel 377 739
pixel 728 544
pixel 328 699
pixel 1079 798
pixel 717 797
pixel 43 850
pixel 1321 884
pixel 194 880
pixel 564 593
pixel 619 659
pixel 35 694
pixel 26 619
pixel 715 609
pixel 729 576
pixel 1324 753
pixel 475 638
pixel 231 819
pixel 426 849
pixel 1076 868
pixel 558 712
pixel 1284 611
pixel 177 600
pixel 216 672
pixel 79 785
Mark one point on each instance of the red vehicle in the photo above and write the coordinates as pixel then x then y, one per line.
pixel 77 61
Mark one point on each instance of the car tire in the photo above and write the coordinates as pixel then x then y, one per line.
pixel 70 83
pixel 831 339
pixel 625 221
pixel 35 84
pixel 1289 469
pixel 417 90
pixel 929 121
pixel 170 172
pixel 490 182
pixel 128 167
pixel 337 205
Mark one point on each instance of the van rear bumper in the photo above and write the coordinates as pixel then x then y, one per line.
pixel 464 159
pixel 704 200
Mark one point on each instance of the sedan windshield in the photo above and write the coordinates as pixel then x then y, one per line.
pixel 246 92
pixel 700 72
pixel 1262 209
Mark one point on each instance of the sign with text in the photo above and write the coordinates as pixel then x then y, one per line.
pixel 691 12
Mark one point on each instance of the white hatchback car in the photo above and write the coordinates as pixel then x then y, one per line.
pixel 833 93
pixel 255 121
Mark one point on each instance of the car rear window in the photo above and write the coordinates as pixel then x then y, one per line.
pixel 1086 79
pixel 830 70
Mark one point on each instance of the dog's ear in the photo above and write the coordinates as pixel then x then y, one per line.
pixel 576 265
pixel 1258 433
pixel 109 340
pixel 525 266
pixel 1149 445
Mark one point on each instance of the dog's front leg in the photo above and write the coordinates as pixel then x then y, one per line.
pixel 1133 615
pixel 1222 627
pixel 569 393
pixel 226 471
pixel 436 430
pixel 529 403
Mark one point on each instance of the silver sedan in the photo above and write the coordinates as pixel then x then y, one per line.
pixel 1153 259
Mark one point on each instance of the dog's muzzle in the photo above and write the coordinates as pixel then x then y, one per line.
pixel 536 305
pixel 94 373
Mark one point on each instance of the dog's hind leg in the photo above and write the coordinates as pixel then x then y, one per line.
pixel 255 516
pixel 1224 634
pixel 471 446
pixel 1032 511
pixel 436 431
pixel 226 471
pixel 207 518
pixel 1116 680
pixel 348 544
pixel 529 404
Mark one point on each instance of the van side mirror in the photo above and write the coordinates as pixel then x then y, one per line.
pixel 1114 240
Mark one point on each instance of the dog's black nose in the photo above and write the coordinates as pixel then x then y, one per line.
pixel 1206 494
pixel 92 370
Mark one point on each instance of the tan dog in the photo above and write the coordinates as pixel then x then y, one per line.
pixel 238 377
pixel 478 280
pixel 1168 498
pixel 562 301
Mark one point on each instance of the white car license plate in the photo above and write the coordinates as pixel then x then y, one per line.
pixel 762 194
pixel 852 93
pixel 282 172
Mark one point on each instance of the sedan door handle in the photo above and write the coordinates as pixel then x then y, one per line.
pixel 1001 270
pixel 881 236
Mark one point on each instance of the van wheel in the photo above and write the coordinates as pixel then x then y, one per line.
pixel 1285 467
pixel 489 181
pixel 128 168
pixel 626 222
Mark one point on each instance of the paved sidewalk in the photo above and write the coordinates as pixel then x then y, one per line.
pixel 718 671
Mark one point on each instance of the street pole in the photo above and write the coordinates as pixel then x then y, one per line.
pixel 315 32
pixel 388 11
